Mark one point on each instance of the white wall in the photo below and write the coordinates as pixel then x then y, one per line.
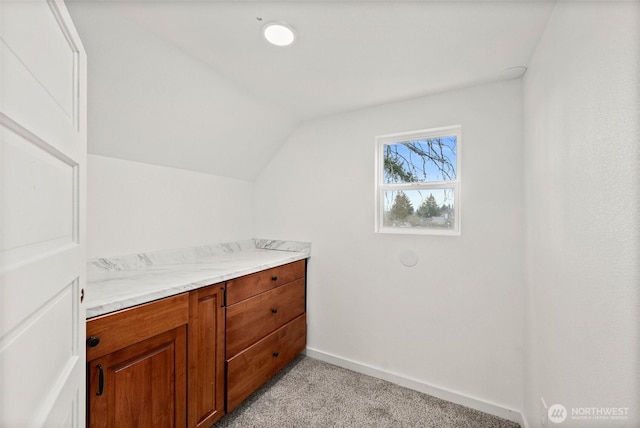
pixel 151 102
pixel 582 345
pixel 454 320
pixel 134 207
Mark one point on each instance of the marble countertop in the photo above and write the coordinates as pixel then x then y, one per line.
pixel 121 282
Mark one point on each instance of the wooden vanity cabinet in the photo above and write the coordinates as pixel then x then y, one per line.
pixel 255 365
pixel 137 372
pixel 265 327
pixel 160 364
pixel 183 360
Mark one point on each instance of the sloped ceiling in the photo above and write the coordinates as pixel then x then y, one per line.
pixel 192 84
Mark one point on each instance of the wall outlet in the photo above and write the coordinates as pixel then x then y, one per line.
pixel 544 411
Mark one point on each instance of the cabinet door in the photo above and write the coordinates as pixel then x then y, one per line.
pixel 143 385
pixel 206 355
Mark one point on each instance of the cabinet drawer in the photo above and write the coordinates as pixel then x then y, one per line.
pixel 250 369
pixel 250 285
pixel 252 319
pixel 124 328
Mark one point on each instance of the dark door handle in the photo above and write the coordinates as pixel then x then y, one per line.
pixel 93 341
pixel 100 379
pixel 275 354
pixel 274 310
pixel 274 278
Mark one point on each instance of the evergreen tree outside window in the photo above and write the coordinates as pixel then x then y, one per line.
pixel 418 182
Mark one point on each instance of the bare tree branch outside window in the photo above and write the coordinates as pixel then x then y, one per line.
pixel 419 177
pixel 420 161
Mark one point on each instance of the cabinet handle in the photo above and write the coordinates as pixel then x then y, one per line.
pixel 274 278
pixel 100 379
pixel 93 341
pixel 275 354
pixel 274 310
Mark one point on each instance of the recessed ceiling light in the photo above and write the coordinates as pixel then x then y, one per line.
pixel 279 34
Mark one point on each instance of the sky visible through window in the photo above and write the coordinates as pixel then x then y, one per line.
pixel 421 161
pixel 425 160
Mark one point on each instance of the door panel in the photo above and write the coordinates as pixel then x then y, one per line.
pixel 53 64
pixel 46 356
pixel 43 95
pixel 144 377
pixel 42 215
pixel 35 277
pixel 39 192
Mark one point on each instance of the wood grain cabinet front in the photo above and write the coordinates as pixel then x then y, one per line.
pixel 143 385
pixel 265 327
pixel 254 318
pixel 252 367
pixel 185 359
pixel 117 330
pixel 159 364
pixel 251 285
pixel 137 366
pixel 206 356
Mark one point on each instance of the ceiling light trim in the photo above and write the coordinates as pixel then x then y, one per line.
pixel 279 33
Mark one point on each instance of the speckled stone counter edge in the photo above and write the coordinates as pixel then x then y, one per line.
pixel 121 282
pixel 185 255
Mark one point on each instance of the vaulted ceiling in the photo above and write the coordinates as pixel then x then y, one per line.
pixel 193 84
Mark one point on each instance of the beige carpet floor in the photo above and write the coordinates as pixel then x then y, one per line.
pixel 312 393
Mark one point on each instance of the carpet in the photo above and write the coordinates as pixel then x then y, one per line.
pixel 312 393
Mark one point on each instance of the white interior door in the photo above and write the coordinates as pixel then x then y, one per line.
pixel 42 216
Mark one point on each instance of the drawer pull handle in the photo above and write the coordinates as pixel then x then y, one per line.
pixel 275 354
pixel 100 379
pixel 274 278
pixel 93 341
pixel 274 310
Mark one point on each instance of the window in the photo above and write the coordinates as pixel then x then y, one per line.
pixel 418 182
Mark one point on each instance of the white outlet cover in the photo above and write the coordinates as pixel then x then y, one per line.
pixel 409 258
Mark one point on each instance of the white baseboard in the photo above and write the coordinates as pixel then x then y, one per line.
pixel 454 397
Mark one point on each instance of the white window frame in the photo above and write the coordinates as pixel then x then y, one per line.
pixel 381 187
